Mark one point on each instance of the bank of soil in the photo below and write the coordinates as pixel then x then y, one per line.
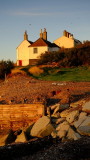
pixel 24 89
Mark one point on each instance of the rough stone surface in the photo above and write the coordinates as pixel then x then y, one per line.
pixel 72 116
pixel 21 137
pixel 72 134
pixel 78 103
pixel 42 127
pixel 53 107
pixel 63 126
pixel 60 120
pixel 80 120
pixel 84 128
pixel 86 107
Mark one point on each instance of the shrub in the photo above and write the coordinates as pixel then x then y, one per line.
pixel 16 71
pixel 5 68
pixel 73 57
pixel 36 71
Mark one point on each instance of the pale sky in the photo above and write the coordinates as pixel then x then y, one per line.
pixel 16 16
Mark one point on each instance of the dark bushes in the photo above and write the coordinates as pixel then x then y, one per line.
pixel 5 68
pixel 77 56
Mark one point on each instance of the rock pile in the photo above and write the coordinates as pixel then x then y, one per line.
pixel 66 121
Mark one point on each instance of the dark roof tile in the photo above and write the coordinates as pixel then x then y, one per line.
pixel 41 42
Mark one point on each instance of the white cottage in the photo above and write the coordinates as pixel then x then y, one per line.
pixel 28 51
pixel 67 40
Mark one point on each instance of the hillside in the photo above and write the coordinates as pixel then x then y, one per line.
pixel 24 89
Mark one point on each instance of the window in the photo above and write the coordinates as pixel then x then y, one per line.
pixel 35 50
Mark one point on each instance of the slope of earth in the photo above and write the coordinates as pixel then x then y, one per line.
pixel 24 89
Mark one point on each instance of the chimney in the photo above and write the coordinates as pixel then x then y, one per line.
pixel 65 33
pixel 25 35
pixel 45 34
pixel 41 34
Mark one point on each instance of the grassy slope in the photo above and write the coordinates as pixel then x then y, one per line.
pixel 62 74
pixel 67 74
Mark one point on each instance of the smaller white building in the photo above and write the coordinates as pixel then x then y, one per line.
pixel 28 51
pixel 67 40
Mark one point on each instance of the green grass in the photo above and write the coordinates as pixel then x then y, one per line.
pixel 67 74
pixel 63 74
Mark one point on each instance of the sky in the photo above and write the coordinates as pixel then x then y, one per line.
pixel 16 16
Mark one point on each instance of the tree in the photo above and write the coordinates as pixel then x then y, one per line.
pixel 5 68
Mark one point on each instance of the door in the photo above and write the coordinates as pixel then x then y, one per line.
pixel 20 62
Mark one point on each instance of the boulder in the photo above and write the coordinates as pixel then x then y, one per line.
pixel 66 112
pixel 53 107
pixel 86 107
pixel 56 109
pixel 84 128
pixel 54 134
pixel 64 106
pixel 72 116
pixel 62 133
pixel 56 115
pixel 77 103
pixel 63 126
pixel 82 117
pixel 27 132
pixel 60 120
pixel 72 134
pixel 62 129
pixel 42 127
pixel 21 137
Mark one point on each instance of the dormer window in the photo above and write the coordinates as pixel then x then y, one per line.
pixel 35 50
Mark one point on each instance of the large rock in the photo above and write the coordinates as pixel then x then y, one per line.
pixel 53 107
pixel 86 107
pixel 84 128
pixel 78 103
pixel 69 112
pixel 21 137
pixel 42 127
pixel 57 109
pixel 72 134
pixel 72 116
pixel 82 117
pixel 60 120
pixel 62 129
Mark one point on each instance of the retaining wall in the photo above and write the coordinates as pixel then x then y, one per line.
pixel 19 115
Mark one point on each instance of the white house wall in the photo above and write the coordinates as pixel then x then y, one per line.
pixel 23 53
pixel 64 42
pixel 41 50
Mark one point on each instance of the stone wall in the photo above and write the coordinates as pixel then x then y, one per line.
pixel 19 115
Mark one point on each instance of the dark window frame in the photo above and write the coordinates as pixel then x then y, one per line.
pixel 35 50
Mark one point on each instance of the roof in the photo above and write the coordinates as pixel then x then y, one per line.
pixel 30 42
pixel 77 41
pixel 41 42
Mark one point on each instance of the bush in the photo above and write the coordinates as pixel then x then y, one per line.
pixel 73 57
pixel 36 71
pixel 5 68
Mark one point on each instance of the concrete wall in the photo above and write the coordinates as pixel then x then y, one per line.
pixel 18 116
